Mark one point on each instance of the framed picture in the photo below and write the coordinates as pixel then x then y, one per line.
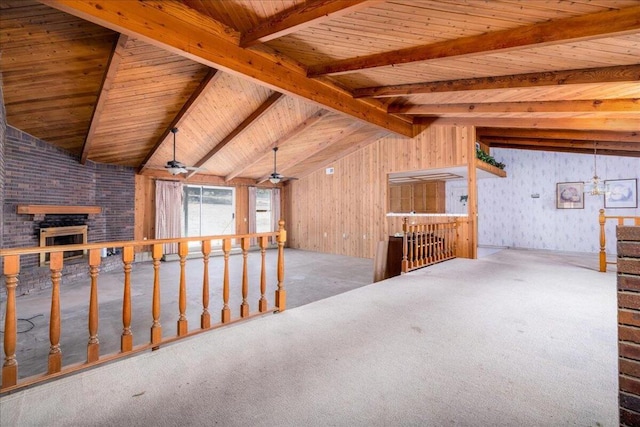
pixel 621 193
pixel 570 195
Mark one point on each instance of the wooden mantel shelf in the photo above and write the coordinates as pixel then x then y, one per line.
pixel 58 209
pixel 490 168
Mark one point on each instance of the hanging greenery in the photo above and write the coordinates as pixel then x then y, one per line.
pixel 487 158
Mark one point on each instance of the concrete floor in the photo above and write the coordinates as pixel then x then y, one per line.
pixel 515 338
pixel 309 277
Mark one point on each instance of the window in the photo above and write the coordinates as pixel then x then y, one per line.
pixel 208 211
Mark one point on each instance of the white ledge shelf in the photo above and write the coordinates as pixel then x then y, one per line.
pixel 490 169
pixel 58 209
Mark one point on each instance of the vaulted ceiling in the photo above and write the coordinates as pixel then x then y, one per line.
pixel 108 80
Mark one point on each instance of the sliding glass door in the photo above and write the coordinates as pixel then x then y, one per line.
pixel 208 211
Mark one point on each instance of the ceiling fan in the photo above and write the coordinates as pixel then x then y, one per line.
pixel 175 167
pixel 275 177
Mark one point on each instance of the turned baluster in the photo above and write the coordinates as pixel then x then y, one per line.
pixel 422 243
pixel 418 241
pixel 244 307
pixel 10 366
pixel 55 353
pixel 156 328
pixel 93 347
pixel 432 244
pixel 412 237
pixel 281 293
pixel 405 246
pixel 205 317
pixel 262 304
pixel 226 311
pixel 183 250
pixel 126 340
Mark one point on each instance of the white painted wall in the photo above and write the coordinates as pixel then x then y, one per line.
pixel 509 216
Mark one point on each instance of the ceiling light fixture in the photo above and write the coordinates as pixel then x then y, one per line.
pixel 596 187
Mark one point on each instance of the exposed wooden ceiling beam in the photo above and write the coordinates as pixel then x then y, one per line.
pixel 180 29
pixel 565 143
pixel 591 123
pixel 628 149
pixel 109 76
pixel 577 106
pixel 296 18
pixel 592 135
pixel 208 81
pixel 621 73
pixel 255 115
pixel 310 121
pixel 578 28
pixel 201 178
pixel 350 149
pixel 314 150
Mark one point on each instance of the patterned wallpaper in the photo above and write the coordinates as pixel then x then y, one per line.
pixel 509 216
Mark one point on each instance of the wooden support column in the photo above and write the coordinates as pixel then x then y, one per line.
pixel 205 317
pixel 156 328
pixel 603 242
pixel 55 353
pixel 244 307
pixel 183 251
pixel 126 340
pixel 262 304
pixel 472 192
pixel 226 311
pixel 281 293
pixel 10 365
pixel 93 346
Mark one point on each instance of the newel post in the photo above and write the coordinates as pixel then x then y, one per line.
pixel 603 254
pixel 281 293
pixel 10 366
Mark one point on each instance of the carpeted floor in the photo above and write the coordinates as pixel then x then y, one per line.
pixel 516 338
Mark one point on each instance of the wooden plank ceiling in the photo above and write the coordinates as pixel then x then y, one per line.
pixel 108 80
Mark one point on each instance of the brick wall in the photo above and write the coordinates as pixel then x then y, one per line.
pixel 36 172
pixel 629 324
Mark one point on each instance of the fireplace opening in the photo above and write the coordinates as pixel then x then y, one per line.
pixel 54 236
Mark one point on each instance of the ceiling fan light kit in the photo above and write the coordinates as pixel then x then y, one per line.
pixel 275 177
pixel 175 167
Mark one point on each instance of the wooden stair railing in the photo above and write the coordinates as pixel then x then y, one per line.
pixel 55 367
pixel 602 219
pixel 427 244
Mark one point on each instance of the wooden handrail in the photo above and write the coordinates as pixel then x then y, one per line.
pixel 427 244
pixel 602 219
pixel 55 366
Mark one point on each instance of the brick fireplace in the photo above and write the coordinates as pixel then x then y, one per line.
pixel 38 174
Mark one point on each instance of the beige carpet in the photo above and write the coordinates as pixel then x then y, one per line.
pixel 517 338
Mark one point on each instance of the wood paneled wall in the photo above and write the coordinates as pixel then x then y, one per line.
pixel 345 213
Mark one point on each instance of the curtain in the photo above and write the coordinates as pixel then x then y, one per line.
pixel 252 213
pixel 275 208
pixel 169 196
